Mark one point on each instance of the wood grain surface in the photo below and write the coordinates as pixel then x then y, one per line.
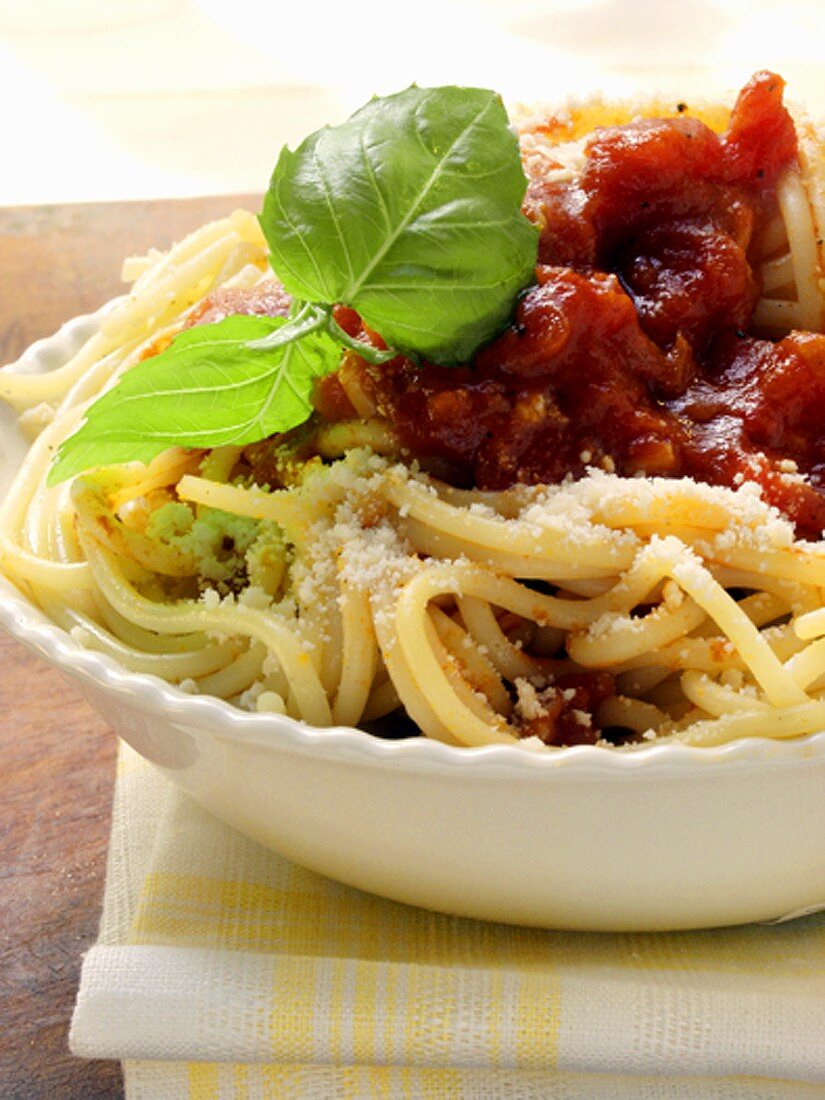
pixel 56 755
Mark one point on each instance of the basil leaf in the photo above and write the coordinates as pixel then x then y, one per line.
pixel 206 389
pixel 410 212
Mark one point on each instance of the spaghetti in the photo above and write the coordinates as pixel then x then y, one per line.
pixel 341 573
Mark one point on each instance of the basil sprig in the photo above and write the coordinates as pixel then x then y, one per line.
pixel 409 212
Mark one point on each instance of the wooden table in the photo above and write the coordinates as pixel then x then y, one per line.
pixel 56 755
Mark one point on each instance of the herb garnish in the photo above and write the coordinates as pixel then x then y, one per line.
pixel 409 212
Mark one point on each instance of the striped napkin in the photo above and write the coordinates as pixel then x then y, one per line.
pixel 224 971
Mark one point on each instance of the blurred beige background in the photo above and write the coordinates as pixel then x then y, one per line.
pixel 117 99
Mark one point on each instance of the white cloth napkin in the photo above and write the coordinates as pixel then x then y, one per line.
pixel 224 971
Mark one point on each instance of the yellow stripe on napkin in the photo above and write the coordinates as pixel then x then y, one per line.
pixel 308 915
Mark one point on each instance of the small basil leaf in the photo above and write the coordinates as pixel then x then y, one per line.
pixel 206 389
pixel 410 212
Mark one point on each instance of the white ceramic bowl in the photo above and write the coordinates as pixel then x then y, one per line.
pixel 661 838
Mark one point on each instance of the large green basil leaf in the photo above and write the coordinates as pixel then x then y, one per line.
pixel 410 212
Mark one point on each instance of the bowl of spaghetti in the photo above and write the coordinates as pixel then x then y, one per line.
pixel 469 552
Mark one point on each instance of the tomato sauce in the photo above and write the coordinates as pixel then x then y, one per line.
pixel 632 351
pixel 567 714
